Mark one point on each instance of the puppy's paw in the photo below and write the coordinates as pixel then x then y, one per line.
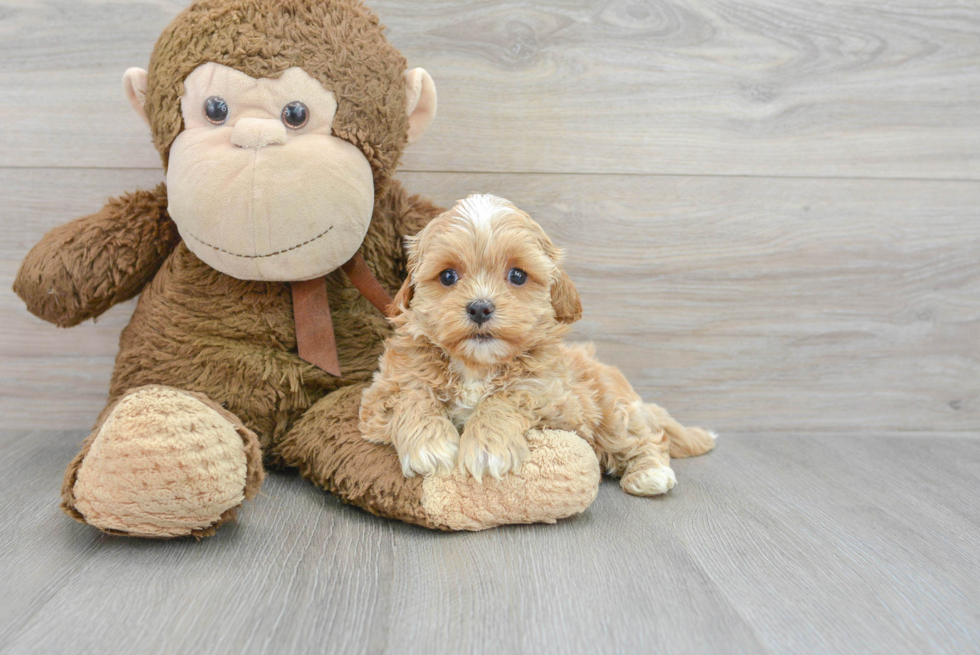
pixel 430 450
pixel 649 481
pixel 483 452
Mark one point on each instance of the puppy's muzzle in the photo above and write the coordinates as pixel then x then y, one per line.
pixel 480 311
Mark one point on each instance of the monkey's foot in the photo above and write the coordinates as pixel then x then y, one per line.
pixel 163 463
pixel 559 478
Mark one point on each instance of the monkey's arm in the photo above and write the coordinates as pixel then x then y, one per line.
pixel 409 214
pixel 80 269
pixel 416 212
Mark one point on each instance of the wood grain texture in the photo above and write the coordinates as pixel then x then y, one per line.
pixel 740 304
pixel 825 544
pixel 881 88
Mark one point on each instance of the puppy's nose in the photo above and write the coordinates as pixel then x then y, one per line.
pixel 258 133
pixel 480 311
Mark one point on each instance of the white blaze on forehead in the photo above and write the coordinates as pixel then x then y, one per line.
pixel 479 210
pixel 483 289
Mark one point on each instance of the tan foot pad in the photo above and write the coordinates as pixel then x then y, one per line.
pixel 559 479
pixel 164 464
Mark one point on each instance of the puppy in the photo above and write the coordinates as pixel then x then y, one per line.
pixel 477 360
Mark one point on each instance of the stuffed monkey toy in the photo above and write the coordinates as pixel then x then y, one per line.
pixel 280 124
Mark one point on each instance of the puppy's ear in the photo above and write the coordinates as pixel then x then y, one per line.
pixel 564 295
pixel 402 299
pixel 565 298
pixel 404 296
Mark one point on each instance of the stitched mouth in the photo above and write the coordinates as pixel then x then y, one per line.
pixel 271 254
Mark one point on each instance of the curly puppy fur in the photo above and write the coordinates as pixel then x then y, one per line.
pixel 458 390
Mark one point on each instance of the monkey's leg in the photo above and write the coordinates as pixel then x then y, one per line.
pixel 560 477
pixel 162 462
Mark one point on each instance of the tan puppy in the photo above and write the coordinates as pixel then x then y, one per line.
pixel 477 360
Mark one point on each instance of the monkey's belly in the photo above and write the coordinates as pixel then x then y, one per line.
pixel 234 341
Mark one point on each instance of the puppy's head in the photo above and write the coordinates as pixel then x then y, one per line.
pixel 485 283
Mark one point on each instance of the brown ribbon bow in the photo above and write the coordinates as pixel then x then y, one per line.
pixel 311 313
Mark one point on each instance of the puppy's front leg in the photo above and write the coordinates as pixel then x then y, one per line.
pixel 417 425
pixel 494 439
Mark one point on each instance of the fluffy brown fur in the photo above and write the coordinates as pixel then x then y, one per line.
pixel 453 390
pixel 81 269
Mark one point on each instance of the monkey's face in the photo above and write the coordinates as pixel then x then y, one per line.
pixel 278 121
pixel 258 186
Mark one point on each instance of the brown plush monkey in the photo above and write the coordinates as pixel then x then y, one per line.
pixel 280 124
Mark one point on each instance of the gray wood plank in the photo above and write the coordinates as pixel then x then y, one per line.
pixel 741 304
pixel 773 543
pixel 831 548
pixel 877 88
pixel 40 548
pixel 606 582
pixel 298 569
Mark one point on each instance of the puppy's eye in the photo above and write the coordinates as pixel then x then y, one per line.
pixel 295 115
pixel 517 277
pixel 216 110
pixel 448 277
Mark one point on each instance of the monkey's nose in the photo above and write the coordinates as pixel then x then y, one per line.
pixel 480 311
pixel 258 133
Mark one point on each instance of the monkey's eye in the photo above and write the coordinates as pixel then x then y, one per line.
pixel 517 277
pixel 448 277
pixel 216 109
pixel 295 115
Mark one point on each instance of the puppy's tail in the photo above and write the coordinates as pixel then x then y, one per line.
pixel 684 442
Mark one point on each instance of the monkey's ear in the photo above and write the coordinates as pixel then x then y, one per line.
pixel 134 84
pixel 565 298
pixel 420 95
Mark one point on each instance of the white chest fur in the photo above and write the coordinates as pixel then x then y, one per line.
pixel 472 388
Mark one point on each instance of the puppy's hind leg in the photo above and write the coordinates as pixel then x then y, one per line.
pixel 629 441
pixel 652 423
pixel 646 469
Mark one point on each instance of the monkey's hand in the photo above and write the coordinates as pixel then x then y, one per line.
pixel 79 270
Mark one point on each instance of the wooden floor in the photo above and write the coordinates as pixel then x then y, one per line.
pixel 772 210
pixel 789 543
